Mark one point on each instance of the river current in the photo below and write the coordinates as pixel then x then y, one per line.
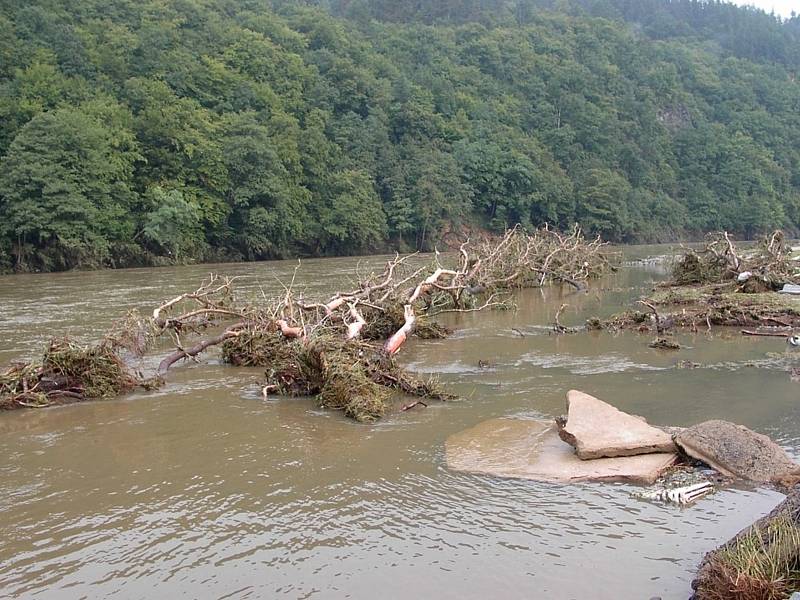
pixel 202 489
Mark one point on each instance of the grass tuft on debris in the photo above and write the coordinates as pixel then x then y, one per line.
pixel 761 564
pixel 353 376
pixel 67 372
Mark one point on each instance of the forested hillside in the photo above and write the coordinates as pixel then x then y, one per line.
pixel 150 131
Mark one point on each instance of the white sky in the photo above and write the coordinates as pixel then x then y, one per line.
pixel 782 8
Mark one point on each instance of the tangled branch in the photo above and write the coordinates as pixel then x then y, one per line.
pixel 339 348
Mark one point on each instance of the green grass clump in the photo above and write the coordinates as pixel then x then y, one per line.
pixel 762 564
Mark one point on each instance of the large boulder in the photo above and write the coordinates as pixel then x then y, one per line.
pixel 737 451
pixel 529 449
pixel 598 430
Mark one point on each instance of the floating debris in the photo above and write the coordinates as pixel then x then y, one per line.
pixel 687 364
pixel 664 344
pixel 718 285
pixel 594 324
pixel 790 288
pixel 681 495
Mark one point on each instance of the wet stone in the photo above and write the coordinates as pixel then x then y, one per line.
pixel 736 451
pixel 529 449
pixel 598 430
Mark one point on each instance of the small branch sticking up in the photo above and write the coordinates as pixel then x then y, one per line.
pixel 413 404
pixel 212 297
pixel 557 326
pixel 490 302
pixel 662 325
pixel 733 258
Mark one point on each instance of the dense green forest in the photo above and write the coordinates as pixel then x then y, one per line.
pixel 141 132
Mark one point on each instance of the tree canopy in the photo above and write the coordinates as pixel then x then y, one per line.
pixel 147 131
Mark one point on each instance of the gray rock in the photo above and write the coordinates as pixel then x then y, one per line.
pixel 737 451
pixel 598 430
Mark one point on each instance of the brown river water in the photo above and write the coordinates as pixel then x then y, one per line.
pixel 203 490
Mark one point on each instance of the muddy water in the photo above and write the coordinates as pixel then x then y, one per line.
pixel 203 490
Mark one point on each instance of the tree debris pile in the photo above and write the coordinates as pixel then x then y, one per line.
pixel 531 260
pixel 339 349
pixel 760 563
pixel 700 308
pixel 356 377
pixel 765 268
pixel 719 285
pixel 67 373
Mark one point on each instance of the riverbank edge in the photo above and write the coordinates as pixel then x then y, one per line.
pixel 717 579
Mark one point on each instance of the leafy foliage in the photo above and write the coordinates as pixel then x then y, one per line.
pixel 180 130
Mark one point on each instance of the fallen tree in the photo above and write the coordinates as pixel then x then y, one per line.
pixel 340 349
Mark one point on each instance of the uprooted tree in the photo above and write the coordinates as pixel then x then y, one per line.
pixel 340 349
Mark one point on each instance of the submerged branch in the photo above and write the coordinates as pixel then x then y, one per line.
pixel 197 349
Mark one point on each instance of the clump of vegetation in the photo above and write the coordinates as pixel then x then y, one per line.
pixel 692 268
pixel 664 344
pixel 630 319
pixel 356 377
pixel 761 564
pixel 255 348
pixel 594 324
pixel 67 372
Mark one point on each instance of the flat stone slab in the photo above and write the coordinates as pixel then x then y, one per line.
pixel 736 451
pixel 598 430
pixel 527 449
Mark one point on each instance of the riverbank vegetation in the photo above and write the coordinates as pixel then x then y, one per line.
pixel 153 132
pixel 339 349
pixel 760 563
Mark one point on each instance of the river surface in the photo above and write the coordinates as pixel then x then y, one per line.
pixel 203 490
